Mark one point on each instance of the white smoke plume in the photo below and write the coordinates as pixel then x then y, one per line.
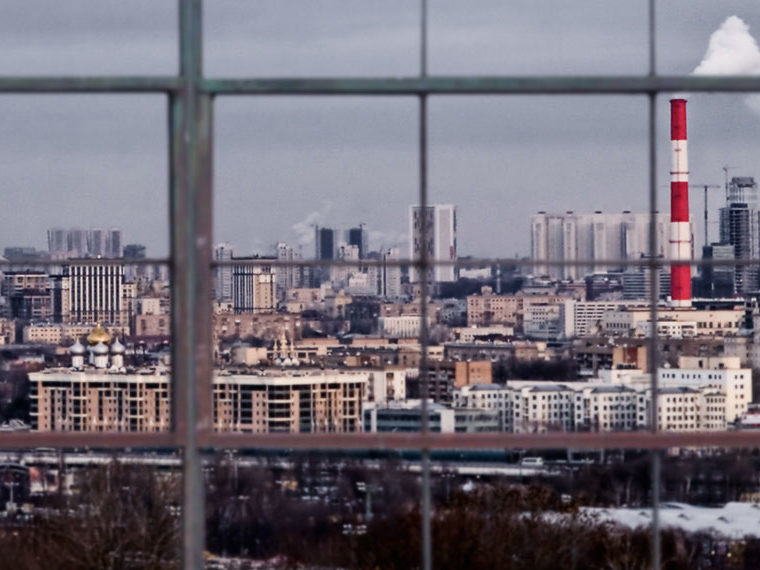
pixel 304 229
pixel 732 51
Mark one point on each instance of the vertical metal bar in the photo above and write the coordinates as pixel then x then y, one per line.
pixel 424 265
pixel 190 173
pixel 654 281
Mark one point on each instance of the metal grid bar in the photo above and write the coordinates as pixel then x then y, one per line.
pixel 424 266
pixel 500 440
pixel 429 85
pixel 407 262
pixel 390 441
pixel 654 281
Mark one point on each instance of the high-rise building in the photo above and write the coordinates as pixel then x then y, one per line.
pixel 96 243
pixel 440 223
pixel 326 243
pixel 28 295
pixel 253 286
pixel 597 236
pixel 289 276
pixel 98 293
pixel 359 238
pixel 134 251
pixel 740 227
pixel 718 280
pixel 113 243
pixel 389 275
pixel 223 275
pixel 78 242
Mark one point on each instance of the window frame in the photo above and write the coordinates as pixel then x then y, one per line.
pixel 190 98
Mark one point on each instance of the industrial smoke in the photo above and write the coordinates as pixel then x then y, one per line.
pixel 732 51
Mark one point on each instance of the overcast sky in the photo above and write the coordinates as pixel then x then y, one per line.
pixel 282 163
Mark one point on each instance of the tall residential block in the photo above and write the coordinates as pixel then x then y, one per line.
pixel 438 223
pixel 593 236
pixel 253 286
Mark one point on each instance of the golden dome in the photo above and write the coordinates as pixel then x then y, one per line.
pixel 99 334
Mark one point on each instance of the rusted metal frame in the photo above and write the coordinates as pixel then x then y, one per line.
pixel 426 553
pixel 501 440
pixel 99 84
pixel 87 261
pixel 482 85
pixel 18 440
pixel 478 262
pixel 406 262
pixel 654 282
pixel 190 177
pixel 431 85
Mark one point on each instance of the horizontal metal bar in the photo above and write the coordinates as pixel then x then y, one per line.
pixel 87 261
pixel 481 261
pixel 86 439
pixel 612 440
pixel 436 85
pixel 116 84
pixel 481 85
pixel 406 262
pixel 390 441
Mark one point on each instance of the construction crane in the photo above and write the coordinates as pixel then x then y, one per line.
pixel 706 187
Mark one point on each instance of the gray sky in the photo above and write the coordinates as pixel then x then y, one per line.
pixel 101 160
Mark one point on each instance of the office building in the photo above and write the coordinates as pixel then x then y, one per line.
pixel 740 227
pixel 98 293
pixel 359 238
pixel 718 281
pixel 439 223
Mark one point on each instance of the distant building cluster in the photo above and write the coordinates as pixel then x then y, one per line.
pixel 330 340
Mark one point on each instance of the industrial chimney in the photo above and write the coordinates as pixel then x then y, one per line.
pixel 680 233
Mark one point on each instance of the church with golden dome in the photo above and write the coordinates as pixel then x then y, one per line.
pixel 104 352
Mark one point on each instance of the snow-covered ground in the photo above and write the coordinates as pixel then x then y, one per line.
pixel 733 520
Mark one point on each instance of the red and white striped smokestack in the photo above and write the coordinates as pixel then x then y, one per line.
pixel 680 231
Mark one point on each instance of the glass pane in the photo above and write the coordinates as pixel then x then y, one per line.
pixel 526 38
pixel 84 175
pixel 98 514
pixel 86 347
pixel 263 38
pixel 328 509
pixel 88 37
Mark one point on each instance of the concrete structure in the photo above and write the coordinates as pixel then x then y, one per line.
pixel 440 222
pixel 98 293
pixel 223 275
pixel 405 326
pixel 303 402
pixel 593 236
pixel 387 385
pixel 253 286
pixel 102 396
pixel 402 417
pixel 77 242
pixel 681 237
pixel 740 228
pixel 486 308
pixel 58 333
pixel 718 322
pixel 710 397
pixel 290 276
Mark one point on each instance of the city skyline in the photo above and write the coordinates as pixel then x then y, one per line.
pixel 341 161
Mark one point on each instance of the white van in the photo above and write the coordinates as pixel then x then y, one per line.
pixel 532 462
